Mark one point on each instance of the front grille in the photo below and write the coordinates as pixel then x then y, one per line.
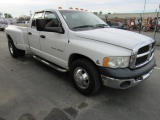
pixel 142 56
pixel 143 49
pixel 141 60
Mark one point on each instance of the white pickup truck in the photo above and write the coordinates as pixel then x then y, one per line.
pixel 80 42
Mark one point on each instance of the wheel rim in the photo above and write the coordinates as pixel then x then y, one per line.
pixel 11 48
pixel 81 78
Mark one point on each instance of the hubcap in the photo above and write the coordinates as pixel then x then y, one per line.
pixel 81 78
pixel 11 48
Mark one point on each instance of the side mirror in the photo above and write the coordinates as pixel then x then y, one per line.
pixel 54 29
pixel 41 26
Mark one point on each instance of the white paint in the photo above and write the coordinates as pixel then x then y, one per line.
pixel 95 44
pixel 157 68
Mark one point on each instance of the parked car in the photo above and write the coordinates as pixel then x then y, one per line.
pixel 3 25
pixel 118 25
pixel 81 43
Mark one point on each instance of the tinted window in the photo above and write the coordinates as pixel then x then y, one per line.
pixel 114 24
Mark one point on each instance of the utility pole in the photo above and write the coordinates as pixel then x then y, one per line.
pixel 141 17
pixel 156 22
pixel 144 7
pixel 106 16
pixel 140 24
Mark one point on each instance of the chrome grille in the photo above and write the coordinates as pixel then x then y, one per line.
pixel 143 49
pixel 142 54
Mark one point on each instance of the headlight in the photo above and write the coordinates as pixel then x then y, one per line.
pixel 116 62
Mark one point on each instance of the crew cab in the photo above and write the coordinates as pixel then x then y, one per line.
pixel 81 43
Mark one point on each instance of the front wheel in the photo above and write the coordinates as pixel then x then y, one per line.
pixel 85 76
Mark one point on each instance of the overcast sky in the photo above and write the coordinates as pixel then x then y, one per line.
pixel 20 7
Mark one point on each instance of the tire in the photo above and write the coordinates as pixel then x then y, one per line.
pixel 12 49
pixel 21 53
pixel 91 81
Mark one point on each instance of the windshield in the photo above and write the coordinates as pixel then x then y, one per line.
pixel 81 20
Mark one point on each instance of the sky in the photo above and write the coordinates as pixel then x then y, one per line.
pixel 23 7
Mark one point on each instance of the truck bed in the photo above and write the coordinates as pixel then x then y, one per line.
pixel 19 35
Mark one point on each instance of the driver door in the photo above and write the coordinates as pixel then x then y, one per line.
pixel 52 43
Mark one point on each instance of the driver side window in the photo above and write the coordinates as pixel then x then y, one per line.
pixel 52 19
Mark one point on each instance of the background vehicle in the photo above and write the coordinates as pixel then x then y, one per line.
pixel 80 42
pixel 118 25
pixel 3 25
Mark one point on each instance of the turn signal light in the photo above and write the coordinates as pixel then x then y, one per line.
pixel 105 62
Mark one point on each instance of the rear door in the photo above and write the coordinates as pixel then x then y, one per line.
pixel 53 45
pixel 33 34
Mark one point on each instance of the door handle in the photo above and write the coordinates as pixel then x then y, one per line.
pixel 42 36
pixel 29 33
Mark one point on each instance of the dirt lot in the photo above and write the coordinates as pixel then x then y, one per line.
pixel 30 90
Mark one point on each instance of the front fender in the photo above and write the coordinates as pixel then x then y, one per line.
pixel 94 50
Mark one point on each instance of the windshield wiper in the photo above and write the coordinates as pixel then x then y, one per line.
pixel 101 25
pixel 83 26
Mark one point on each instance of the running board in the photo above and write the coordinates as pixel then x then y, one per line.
pixel 50 64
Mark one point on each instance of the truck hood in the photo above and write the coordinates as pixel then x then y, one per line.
pixel 114 36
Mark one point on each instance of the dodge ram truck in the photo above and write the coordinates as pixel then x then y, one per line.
pixel 81 43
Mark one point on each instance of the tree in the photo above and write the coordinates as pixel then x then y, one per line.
pixel 24 18
pixel 6 15
pixel 96 13
pixel 100 12
pixel 1 14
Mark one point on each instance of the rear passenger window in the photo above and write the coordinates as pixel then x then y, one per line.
pixel 36 16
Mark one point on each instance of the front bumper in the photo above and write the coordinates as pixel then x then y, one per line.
pixel 125 78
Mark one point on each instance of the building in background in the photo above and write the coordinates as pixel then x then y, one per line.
pixel 127 17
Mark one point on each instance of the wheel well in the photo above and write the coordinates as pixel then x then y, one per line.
pixel 9 37
pixel 74 57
